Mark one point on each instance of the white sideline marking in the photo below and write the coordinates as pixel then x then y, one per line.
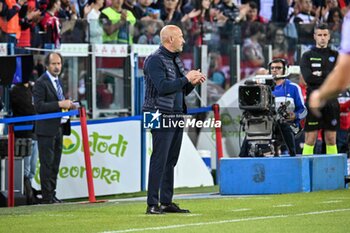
pixel 282 205
pixel 331 201
pixel 252 198
pixel 163 215
pixel 192 215
pixel 238 210
pixel 40 215
pixel 225 221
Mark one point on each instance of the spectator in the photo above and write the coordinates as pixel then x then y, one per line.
pixel 214 73
pixel 149 33
pixel 253 14
pixel 39 67
pixel 200 23
pixel 130 5
pixel 51 25
pixel 81 7
pixel 280 11
pixel 253 57
pixel 305 15
pixel 67 11
pixel 304 22
pixel 28 22
pixel 185 6
pixel 95 28
pixel 325 9
pixel 9 24
pixel 146 11
pixel 335 20
pixel 104 89
pixel 169 13
pixel 117 24
pixel 230 32
pixel 280 48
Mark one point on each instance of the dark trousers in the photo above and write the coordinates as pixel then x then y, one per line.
pixel 50 150
pixel 288 137
pixel 166 149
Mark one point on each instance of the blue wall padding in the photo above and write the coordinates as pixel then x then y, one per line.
pixel 328 171
pixel 264 175
pixel 275 175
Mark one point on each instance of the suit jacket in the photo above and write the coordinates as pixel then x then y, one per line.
pixel 46 101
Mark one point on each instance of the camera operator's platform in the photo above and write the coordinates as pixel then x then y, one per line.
pixel 275 175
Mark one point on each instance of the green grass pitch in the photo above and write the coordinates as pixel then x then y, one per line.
pixel 321 212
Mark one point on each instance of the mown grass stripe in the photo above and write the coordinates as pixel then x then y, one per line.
pixel 225 221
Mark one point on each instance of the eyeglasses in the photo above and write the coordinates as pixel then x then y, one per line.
pixel 276 67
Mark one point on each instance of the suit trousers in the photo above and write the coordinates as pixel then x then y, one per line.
pixel 166 149
pixel 50 150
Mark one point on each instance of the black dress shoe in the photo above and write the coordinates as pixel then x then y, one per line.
pixel 46 201
pixel 173 208
pixel 56 200
pixel 153 210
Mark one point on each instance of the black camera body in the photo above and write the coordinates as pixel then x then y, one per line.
pixel 260 116
pixel 255 97
pixel 282 111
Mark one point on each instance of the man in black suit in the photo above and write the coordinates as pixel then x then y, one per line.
pixel 49 98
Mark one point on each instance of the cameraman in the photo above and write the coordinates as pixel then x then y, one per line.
pixel 288 94
pixel 290 108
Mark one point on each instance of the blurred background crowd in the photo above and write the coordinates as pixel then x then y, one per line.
pixel 261 30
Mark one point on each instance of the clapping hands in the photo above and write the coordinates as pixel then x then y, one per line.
pixel 195 77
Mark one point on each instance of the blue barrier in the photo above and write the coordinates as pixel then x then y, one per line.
pixel 12 120
pixel 199 110
pixel 282 174
pixel 328 172
pixel 264 175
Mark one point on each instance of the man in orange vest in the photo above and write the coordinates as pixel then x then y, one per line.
pixel 9 23
pixel 27 22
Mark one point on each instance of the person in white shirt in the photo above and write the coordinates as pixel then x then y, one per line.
pixel 95 29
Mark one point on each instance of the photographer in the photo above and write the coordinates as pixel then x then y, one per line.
pixel 288 94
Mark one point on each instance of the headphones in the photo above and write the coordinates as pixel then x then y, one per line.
pixel 279 60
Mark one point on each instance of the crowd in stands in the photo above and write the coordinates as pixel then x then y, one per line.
pixel 252 24
pixel 40 23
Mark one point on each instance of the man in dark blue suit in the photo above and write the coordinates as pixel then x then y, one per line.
pixel 48 98
pixel 166 84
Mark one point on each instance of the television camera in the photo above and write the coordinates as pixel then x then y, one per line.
pixel 260 116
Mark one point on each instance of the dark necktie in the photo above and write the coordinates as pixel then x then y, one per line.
pixel 59 90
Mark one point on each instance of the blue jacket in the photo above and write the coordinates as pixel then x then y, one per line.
pixel 289 91
pixel 165 82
